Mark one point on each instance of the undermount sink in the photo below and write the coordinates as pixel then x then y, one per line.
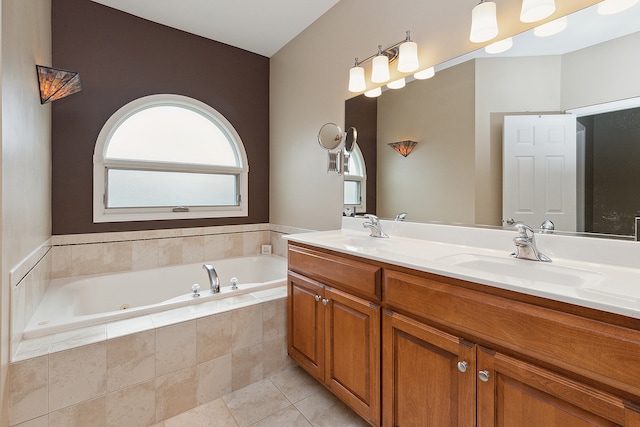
pixel 525 272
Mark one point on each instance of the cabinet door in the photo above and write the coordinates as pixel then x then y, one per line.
pixel 352 354
pixel 428 375
pixel 515 393
pixel 306 324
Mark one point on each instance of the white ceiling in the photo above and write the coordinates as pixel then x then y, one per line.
pixel 259 26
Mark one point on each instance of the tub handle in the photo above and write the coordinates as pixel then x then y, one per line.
pixel 195 290
pixel 234 283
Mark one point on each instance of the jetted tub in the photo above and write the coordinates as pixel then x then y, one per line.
pixel 76 302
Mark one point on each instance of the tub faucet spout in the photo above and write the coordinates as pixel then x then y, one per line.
pixel 213 278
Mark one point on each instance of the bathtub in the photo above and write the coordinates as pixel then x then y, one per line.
pixel 76 302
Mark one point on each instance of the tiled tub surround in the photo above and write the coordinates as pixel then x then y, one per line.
pixel 143 370
pixel 37 371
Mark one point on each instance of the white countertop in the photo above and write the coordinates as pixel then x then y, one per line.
pixel 598 273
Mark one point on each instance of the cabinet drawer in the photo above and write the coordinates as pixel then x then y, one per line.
pixel 346 274
pixel 605 353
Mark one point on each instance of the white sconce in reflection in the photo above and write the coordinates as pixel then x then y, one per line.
pixel 405 52
pixel 397 84
pixel 484 23
pixel 373 93
pixel 499 46
pixel 551 28
pixel 427 73
pixel 610 7
pixel 536 10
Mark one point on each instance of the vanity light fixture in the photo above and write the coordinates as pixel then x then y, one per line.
pixel 610 7
pixel 56 83
pixel 551 28
pixel 536 10
pixel 427 73
pixel 484 23
pixel 403 147
pixel 405 52
pixel 499 46
pixel 373 93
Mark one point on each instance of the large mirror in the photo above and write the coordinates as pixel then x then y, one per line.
pixel 454 174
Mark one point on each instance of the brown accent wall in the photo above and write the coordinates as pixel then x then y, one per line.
pixel 120 58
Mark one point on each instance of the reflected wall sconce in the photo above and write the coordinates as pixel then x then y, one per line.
pixel 55 83
pixel 403 147
pixel 610 7
pixel 406 54
pixel 536 10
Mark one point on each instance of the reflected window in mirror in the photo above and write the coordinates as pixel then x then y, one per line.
pixel 355 179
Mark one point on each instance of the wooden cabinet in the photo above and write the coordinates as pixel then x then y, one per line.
pixel 335 336
pixel 455 353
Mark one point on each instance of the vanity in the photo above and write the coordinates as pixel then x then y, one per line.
pixel 438 326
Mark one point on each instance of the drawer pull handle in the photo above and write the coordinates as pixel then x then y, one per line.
pixel 462 366
pixel 325 301
pixel 317 298
pixel 484 375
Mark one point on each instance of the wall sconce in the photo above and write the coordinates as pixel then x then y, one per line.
pixel 610 7
pixel 403 147
pixel 406 52
pixel 536 10
pixel 55 83
pixel 484 23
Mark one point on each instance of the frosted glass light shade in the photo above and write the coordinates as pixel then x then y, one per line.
pixel 408 60
pixel 536 10
pixel 427 73
pixel 499 46
pixel 397 84
pixel 484 24
pixel 373 93
pixel 356 79
pixel 551 28
pixel 610 7
pixel 380 69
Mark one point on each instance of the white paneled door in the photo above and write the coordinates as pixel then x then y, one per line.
pixel 539 170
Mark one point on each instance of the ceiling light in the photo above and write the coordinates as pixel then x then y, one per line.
pixel 610 7
pixel 408 60
pixel 380 68
pixel 551 28
pixel 356 78
pixel 484 24
pixel 536 10
pixel 499 46
pixel 427 73
pixel 398 84
pixel 373 93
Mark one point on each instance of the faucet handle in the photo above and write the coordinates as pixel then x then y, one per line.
pixel 524 230
pixel 374 219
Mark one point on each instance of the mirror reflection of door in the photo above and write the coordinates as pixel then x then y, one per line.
pixel 539 163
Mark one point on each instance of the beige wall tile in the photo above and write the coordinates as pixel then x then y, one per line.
pixel 144 254
pixel 247 327
pixel 214 247
pixel 28 389
pixel 87 259
pixel 279 245
pixel 246 366
pixel 275 357
pixel 90 413
pixel 252 242
pixel 274 315
pixel 213 336
pixel 42 421
pixel 62 265
pixel 192 249
pixel 175 347
pixel 175 393
pixel 233 245
pixel 169 251
pixel 131 359
pixel 132 407
pixel 214 379
pixel 77 375
pixel 117 256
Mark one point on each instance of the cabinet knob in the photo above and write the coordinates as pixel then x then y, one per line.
pixel 325 301
pixel 317 298
pixel 484 375
pixel 462 366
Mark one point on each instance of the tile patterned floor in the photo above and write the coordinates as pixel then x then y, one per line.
pixel 290 398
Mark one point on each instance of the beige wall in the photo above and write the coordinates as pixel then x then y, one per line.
pixel 436 181
pixel 26 152
pixel 309 80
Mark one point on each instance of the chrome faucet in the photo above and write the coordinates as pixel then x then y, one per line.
pixel 401 216
pixel 526 244
pixel 213 278
pixel 374 225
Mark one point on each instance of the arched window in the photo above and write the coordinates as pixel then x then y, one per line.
pixel 355 181
pixel 168 157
